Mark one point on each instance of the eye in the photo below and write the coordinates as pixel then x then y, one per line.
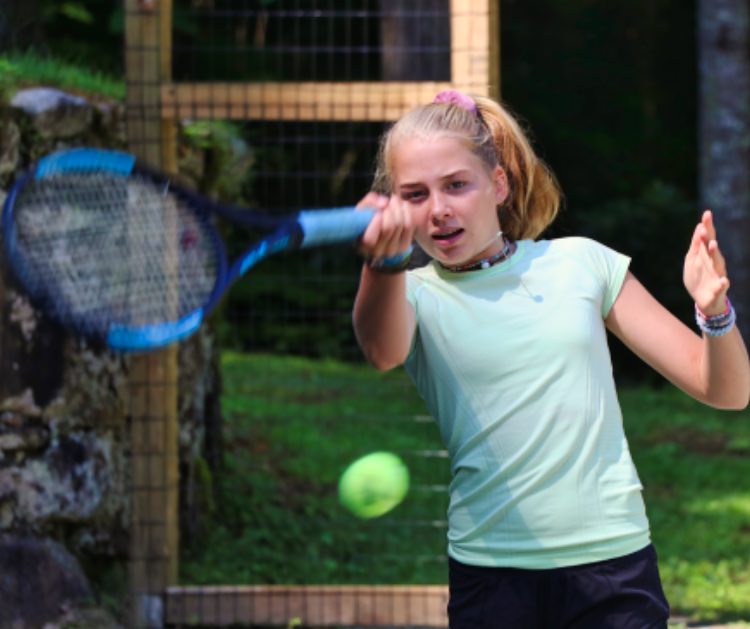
pixel 413 195
pixel 457 184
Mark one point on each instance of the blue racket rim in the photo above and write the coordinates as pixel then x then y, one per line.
pixel 289 234
pixel 117 336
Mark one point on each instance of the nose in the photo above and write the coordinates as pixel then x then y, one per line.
pixel 440 208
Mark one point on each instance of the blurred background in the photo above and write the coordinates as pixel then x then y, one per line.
pixel 629 103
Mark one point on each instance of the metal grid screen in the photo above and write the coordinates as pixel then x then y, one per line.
pixel 279 105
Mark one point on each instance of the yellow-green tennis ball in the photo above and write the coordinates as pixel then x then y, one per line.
pixel 374 484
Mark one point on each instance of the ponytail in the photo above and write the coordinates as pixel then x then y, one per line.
pixel 534 194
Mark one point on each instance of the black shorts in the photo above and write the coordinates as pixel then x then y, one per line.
pixel 622 593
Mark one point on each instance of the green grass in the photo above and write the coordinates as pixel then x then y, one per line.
pixel 292 425
pixel 19 70
pixel 695 466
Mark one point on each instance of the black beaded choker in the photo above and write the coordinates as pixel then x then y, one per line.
pixel 484 263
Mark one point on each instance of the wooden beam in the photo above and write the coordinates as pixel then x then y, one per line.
pixel 475 68
pixel 153 378
pixel 142 76
pixel 365 101
pixel 474 46
pixel 308 605
pixel 154 478
pixel 494 77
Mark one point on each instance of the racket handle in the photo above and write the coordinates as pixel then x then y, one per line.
pixel 322 227
pixel 84 159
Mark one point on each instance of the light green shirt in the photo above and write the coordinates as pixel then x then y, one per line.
pixel 513 364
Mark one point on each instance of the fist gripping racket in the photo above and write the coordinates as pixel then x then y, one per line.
pixel 121 254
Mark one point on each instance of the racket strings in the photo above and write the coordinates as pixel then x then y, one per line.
pixel 101 248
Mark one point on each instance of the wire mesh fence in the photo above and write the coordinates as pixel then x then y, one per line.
pixel 279 105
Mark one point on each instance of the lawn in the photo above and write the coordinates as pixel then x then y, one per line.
pixel 18 70
pixel 293 424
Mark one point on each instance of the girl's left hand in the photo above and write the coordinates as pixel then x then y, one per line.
pixel 704 272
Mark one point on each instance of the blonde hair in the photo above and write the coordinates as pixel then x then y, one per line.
pixel 496 137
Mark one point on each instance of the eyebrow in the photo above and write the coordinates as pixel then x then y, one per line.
pixel 451 175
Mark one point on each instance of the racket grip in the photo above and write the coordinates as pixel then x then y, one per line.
pixel 85 159
pixel 322 227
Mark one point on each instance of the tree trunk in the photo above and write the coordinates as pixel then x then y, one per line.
pixel 724 137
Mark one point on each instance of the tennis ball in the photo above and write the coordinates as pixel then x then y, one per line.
pixel 374 484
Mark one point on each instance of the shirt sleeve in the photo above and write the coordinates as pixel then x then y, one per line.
pixel 411 288
pixel 610 267
pixel 414 284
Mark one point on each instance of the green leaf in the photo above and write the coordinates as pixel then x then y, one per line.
pixel 76 11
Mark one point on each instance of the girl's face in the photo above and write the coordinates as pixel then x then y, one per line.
pixel 452 198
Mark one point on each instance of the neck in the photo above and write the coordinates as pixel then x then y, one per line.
pixel 484 263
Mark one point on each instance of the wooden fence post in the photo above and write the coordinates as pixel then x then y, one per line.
pixel 153 378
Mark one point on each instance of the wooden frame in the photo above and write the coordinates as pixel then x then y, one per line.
pixel 153 377
pixel 154 105
pixel 475 67
pixel 309 606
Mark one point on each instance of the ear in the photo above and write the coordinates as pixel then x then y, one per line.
pixel 500 180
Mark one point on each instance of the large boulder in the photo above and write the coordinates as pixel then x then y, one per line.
pixel 54 113
pixel 10 140
pixel 39 583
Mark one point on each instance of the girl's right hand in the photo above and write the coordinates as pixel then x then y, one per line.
pixel 390 232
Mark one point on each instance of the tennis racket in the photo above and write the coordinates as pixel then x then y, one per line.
pixel 119 253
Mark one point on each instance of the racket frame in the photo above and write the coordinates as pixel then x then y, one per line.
pixel 307 228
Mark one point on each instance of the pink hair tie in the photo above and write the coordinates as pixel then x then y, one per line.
pixel 454 97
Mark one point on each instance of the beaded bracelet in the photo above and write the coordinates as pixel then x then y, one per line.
pixel 392 264
pixel 716 325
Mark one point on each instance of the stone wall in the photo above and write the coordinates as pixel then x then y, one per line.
pixel 64 468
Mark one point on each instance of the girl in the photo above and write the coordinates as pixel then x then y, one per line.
pixel 505 338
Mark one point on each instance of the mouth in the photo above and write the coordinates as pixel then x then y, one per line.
pixel 447 237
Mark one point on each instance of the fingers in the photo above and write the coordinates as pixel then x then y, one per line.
pixel 707 220
pixel 705 267
pixel 717 258
pixel 374 201
pixel 705 244
pixel 698 240
pixel 709 235
pixel 704 231
pixel 390 231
